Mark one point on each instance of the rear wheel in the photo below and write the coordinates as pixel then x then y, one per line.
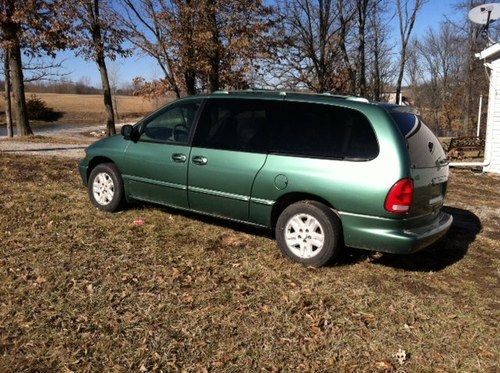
pixel 309 232
pixel 105 187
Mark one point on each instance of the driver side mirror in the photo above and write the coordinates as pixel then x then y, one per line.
pixel 128 132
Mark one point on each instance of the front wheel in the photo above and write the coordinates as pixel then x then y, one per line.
pixel 309 232
pixel 105 187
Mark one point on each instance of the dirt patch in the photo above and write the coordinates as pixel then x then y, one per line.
pixel 39 139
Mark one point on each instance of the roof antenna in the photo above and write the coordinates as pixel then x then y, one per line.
pixel 484 15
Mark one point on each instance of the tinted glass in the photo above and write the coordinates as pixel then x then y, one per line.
pixel 407 122
pixel 324 131
pixel 423 147
pixel 233 124
pixel 171 125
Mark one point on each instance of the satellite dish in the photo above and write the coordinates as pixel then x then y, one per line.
pixel 485 14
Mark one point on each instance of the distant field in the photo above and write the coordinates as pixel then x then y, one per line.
pixel 89 109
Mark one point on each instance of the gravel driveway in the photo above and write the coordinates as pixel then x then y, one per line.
pixel 75 149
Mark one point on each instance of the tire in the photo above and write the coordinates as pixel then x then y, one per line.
pixel 106 178
pixel 319 221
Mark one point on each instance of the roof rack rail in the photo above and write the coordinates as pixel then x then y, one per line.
pixel 285 93
pixel 345 97
pixel 359 99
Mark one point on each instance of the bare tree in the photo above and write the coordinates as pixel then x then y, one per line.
pixel 199 44
pixel 114 81
pixel 407 14
pixel 346 15
pixel 379 64
pixel 147 30
pixel 314 30
pixel 414 71
pixel 443 55
pixel 11 32
pixel 7 97
pixel 470 33
pixel 30 26
pixel 98 36
pixel 36 69
pixel 362 12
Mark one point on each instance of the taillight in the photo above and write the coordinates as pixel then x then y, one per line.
pixel 400 197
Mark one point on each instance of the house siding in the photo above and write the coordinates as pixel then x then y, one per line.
pixel 492 145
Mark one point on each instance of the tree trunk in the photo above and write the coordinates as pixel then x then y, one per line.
pixel 190 81
pixel 405 28
pixel 400 76
pixel 377 86
pixel 377 81
pixel 98 44
pixel 106 90
pixel 470 71
pixel 8 103
pixel 343 48
pixel 362 9
pixel 214 58
pixel 115 105
pixel 20 109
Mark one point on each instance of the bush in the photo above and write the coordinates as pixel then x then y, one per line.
pixel 38 110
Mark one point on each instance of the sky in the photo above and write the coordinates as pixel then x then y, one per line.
pixel 76 68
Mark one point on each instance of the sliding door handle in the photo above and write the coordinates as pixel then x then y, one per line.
pixel 178 157
pixel 200 160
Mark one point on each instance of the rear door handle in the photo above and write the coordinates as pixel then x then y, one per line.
pixel 200 160
pixel 178 157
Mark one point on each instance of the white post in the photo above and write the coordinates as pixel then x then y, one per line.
pixel 479 115
pixel 400 98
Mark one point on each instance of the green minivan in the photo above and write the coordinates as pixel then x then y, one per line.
pixel 323 171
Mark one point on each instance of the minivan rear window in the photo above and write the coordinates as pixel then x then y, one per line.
pixel 407 122
pixel 424 148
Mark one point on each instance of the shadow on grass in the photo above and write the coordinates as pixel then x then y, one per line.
pixel 49 115
pixel 221 222
pixel 447 251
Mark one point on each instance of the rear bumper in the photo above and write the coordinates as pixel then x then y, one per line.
pixel 399 236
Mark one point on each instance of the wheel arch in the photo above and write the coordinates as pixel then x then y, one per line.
pixel 97 160
pixel 289 198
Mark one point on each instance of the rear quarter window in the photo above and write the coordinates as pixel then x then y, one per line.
pixel 324 131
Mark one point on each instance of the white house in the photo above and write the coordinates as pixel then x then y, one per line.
pixel 491 58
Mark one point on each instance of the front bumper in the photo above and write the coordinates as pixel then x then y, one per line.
pixel 398 236
pixel 82 168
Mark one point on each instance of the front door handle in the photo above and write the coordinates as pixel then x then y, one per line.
pixel 178 157
pixel 200 160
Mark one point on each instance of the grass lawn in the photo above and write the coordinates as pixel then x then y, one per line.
pixel 82 290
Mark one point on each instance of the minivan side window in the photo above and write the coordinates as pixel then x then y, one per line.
pixel 324 131
pixel 172 125
pixel 233 124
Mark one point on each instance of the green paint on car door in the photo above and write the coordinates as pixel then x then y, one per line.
pixel 156 165
pixel 222 185
pixel 155 172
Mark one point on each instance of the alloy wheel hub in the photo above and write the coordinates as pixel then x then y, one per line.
pixel 103 188
pixel 304 235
